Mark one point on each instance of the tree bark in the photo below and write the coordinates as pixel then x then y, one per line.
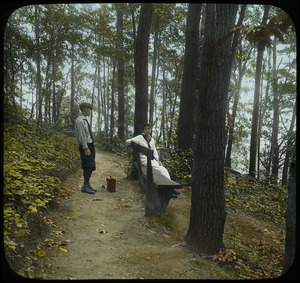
pixel 120 74
pixel 141 67
pixel 154 59
pixel 73 111
pixel 207 217
pixel 187 99
pixel 275 128
pixel 254 128
pixel 112 105
pixel 241 71
pixel 288 148
pixel 93 93
pixel 290 240
pixel 38 68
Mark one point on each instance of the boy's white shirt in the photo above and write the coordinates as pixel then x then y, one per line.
pixel 82 132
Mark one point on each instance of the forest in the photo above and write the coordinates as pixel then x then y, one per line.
pixel 56 56
pixel 216 81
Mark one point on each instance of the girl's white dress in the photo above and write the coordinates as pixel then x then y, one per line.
pixel 141 140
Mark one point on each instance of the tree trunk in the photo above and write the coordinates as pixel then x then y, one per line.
pixel 54 102
pixel 120 73
pixel 207 217
pixel 187 99
pixel 259 126
pixel 53 80
pixel 288 149
pixel 103 100
pixel 93 94
pixel 242 70
pixel 275 147
pixel 290 239
pixel 112 105
pixel 38 68
pixel 73 111
pixel 152 91
pixel 254 128
pixel 231 120
pixel 99 98
pixel 141 67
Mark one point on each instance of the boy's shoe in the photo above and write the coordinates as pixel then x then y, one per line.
pixel 86 189
pixel 93 189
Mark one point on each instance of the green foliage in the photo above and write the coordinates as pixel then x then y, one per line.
pixel 179 163
pixel 167 220
pixel 33 157
pixel 261 197
pixel 112 144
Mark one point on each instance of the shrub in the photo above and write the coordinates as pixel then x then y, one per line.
pixel 33 158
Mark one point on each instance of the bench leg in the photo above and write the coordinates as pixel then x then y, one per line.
pixel 143 184
pixel 157 201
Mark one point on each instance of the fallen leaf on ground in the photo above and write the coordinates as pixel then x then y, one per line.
pixel 68 217
pixel 57 233
pixel 165 235
pixel 126 205
pixel 101 231
pixel 116 236
pixel 48 242
pixel 50 222
pixel 39 252
pixel 66 195
pixel 63 249
pixel 56 244
pixel 51 243
pixel 117 207
pixel 65 242
pixel 67 188
pixel 125 256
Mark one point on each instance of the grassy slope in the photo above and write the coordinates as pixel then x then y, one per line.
pixel 35 161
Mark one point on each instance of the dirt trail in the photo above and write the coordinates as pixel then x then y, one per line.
pixel 108 235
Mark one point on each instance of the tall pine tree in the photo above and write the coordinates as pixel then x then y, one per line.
pixel 207 218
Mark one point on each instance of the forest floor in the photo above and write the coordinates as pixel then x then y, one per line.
pixel 107 236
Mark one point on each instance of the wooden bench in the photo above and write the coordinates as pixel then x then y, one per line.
pixel 157 187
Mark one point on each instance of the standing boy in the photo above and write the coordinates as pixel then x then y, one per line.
pixel 84 137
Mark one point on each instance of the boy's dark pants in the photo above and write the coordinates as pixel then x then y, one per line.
pixel 88 163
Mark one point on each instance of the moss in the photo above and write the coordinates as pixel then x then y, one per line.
pixel 168 220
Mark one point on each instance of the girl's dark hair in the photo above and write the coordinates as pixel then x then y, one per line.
pixel 147 125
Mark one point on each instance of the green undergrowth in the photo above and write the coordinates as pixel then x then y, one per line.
pixel 179 164
pixel 35 160
pixel 167 220
pixel 259 197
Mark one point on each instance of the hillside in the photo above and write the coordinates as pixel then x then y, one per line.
pixel 35 161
